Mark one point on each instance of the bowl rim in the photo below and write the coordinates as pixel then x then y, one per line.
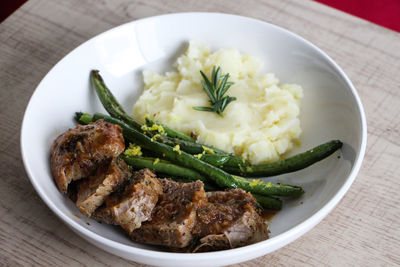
pixel 274 242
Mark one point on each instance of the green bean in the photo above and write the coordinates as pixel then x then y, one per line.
pixel 217 161
pixel 236 165
pixel 258 186
pixel 294 163
pixel 109 101
pixel 193 148
pixel 220 177
pixel 221 160
pixel 83 118
pixel 170 132
pixel 270 203
pixel 163 166
pixel 190 147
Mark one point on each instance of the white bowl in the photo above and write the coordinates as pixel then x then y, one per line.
pixel 331 109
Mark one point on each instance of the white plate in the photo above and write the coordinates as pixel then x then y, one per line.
pixel 331 109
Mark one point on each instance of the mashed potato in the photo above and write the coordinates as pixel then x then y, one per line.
pixel 259 126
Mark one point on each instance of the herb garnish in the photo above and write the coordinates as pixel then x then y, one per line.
pixel 216 90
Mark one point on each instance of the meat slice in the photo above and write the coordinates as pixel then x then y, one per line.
pixel 92 192
pixel 229 220
pixel 174 216
pixel 76 153
pixel 134 204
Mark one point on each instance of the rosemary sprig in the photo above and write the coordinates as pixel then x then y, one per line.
pixel 215 90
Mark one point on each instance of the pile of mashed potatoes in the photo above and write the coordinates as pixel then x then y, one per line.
pixel 259 126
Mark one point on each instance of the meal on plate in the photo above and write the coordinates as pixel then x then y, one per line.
pixel 174 173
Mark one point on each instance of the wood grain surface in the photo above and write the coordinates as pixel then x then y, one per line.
pixel 363 230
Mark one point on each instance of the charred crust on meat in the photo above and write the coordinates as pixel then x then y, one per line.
pixel 76 153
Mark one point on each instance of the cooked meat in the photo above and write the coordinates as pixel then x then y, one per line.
pixel 92 192
pixel 76 153
pixel 155 211
pixel 229 220
pixel 174 216
pixel 134 204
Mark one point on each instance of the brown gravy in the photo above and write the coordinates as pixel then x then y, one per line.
pixel 268 215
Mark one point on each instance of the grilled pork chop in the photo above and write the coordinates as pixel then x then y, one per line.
pixel 76 153
pixel 174 216
pixel 229 220
pixel 134 204
pixel 92 191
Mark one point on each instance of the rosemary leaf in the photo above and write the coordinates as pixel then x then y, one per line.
pixel 215 90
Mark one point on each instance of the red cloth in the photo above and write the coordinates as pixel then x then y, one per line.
pixel 8 7
pixel 382 12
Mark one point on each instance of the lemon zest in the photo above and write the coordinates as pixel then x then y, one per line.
pixel 254 182
pixel 207 150
pixel 198 156
pixel 154 138
pixel 177 148
pixel 154 128
pixel 133 151
pixel 158 128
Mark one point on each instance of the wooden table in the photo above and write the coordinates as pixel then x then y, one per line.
pixel 364 229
